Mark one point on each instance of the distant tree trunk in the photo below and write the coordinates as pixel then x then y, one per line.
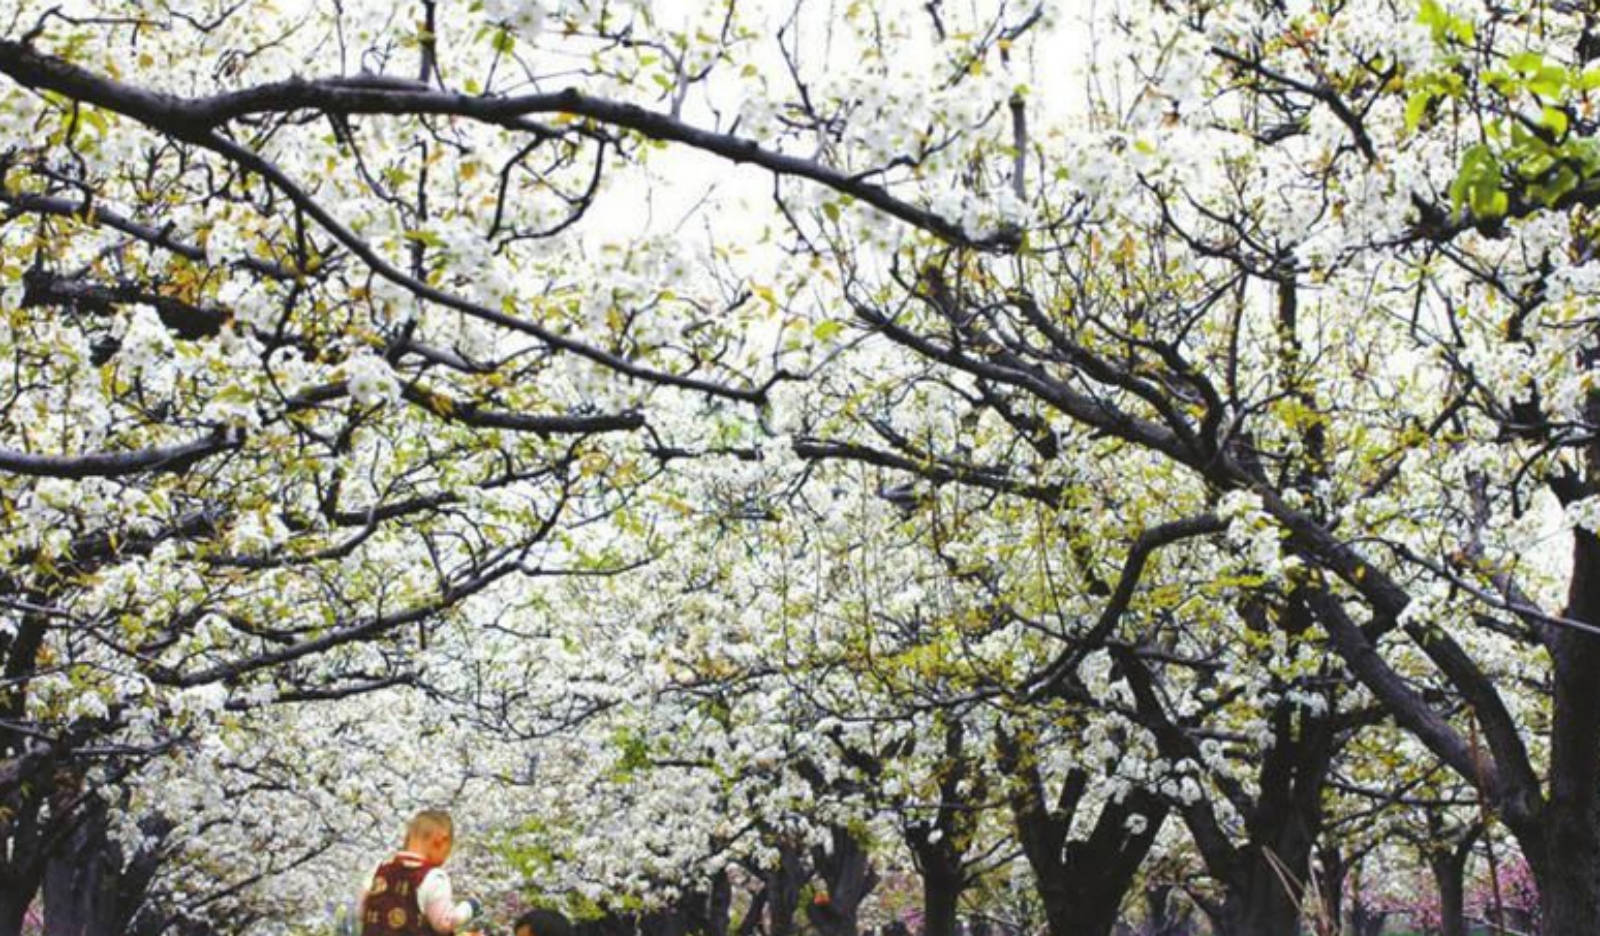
pixel 707 912
pixel 753 914
pixel 13 907
pixel 1367 922
pixel 1164 916
pixel 782 889
pixel 1447 856
pixel 664 923
pixel 1448 879
pixel 941 895
pixel 25 771
pixel 1330 885
pixel 1258 903
pixel 847 873
pixel 939 844
pixel 81 892
pixel 1264 879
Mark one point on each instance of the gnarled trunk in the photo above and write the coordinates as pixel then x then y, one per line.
pixel 1259 903
pixel 89 886
pixel 1082 883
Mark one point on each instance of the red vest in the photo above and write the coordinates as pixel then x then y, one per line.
pixel 391 906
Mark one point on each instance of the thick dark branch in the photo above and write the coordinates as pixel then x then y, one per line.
pixel 1175 745
pixel 187 321
pixel 161 458
pixel 356 631
pixel 1320 91
pixel 1065 666
pixel 93 213
pixel 471 414
pixel 1412 712
pixel 1095 413
pixel 90 552
pixel 937 470
pixel 196 118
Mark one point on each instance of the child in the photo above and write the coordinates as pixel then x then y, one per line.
pixel 409 895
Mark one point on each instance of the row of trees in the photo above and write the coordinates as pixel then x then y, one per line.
pixel 1174 476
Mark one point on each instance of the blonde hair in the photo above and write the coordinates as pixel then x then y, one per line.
pixel 425 824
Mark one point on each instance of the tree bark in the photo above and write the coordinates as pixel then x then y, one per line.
pixel 1082 883
pixel 1569 874
pixel 782 890
pixel 81 881
pixel 939 844
pixel 941 894
pixel 1265 879
pixel 89 885
pixel 13 907
pixel 1258 903
pixel 1164 916
pixel 1084 891
pixel 1330 884
pixel 1447 854
pixel 1449 879
pixel 847 872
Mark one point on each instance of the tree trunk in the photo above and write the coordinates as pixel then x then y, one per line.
pixel 1259 904
pixel 1164 916
pixel 941 894
pixel 88 887
pixel 1081 882
pixel 753 915
pixel 21 865
pixel 1449 878
pixel 81 881
pixel 783 885
pixel 848 875
pixel 1083 890
pixel 1330 885
pixel 13 907
pixel 939 842
pixel 1366 922
pixel 1265 879
pixel 1569 874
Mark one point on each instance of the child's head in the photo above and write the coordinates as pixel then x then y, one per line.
pixel 430 833
pixel 543 922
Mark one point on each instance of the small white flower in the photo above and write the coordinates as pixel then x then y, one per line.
pixel 372 382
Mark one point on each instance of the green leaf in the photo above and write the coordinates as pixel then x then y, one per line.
pixel 1477 183
pixel 1487 200
pixel 1565 181
pixel 831 209
pixel 1536 165
pixel 1416 107
pixel 1550 82
pixel 827 330
pixel 1527 63
pixel 1556 119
